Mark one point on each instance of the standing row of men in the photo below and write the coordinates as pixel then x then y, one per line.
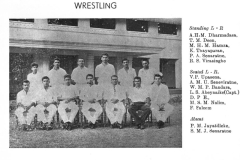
pixel 108 94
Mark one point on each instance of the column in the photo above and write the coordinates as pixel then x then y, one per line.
pixel 84 24
pixel 90 62
pixel 178 73
pixel 41 23
pixel 153 28
pixel 121 25
pixel 130 58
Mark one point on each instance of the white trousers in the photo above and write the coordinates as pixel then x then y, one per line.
pixel 41 116
pixel 91 116
pixel 115 112
pixel 25 119
pixel 161 115
pixel 67 116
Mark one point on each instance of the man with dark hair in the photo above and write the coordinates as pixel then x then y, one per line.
pixel 34 77
pixel 115 95
pixel 46 104
pixel 90 97
pixel 26 106
pixel 160 96
pixel 139 100
pixel 126 74
pixel 67 95
pixel 104 71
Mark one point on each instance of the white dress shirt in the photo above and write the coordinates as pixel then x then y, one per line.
pixel 138 94
pixel 90 92
pixel 79 75
pixel 114 92
pixel 56 76
pixel 104 72
pixel 25 98
pixel 126 77
pixel 147 76
pixel 159 94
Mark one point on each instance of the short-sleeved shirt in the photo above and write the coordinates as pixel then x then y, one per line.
pixel 44 95
pixel 56 76
pixel 159 94
pixel 114 92
pixel 104 72
pixel 25 98
pixel 67 91
pixel 147 76
pixel 125 77
pixel 138 94
pixel 35 80
pixel 79 75
pixel 90 92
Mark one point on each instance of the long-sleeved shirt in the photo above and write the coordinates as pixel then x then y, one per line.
pixel 159 94
pixel 67 91
pixel 56 76
pixel 125 77
pixel 138 94
pixel 90 92
pixel 44 95
pixel 25 98
pixel 147 76
pixel 104 73
pixel 79 75
pixel 114 92
pixel 35 80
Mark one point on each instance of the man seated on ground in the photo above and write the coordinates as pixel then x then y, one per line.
pixel 67 108
pixel 90 98
pixel 160 96
pixel 46 105
pixel 26 106
pixel 139 100
pixel 115 95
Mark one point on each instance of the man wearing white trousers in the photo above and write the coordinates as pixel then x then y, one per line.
pixel 115 95
pixel 90 97
pixel 26 106
pixel 160 96
pixel 46 104
pixel 67 108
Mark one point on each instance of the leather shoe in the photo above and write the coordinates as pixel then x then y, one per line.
pixel 92 126
pixel 69 126
pixel 160 124
pixel 120 126
pixel 138 126
pixel 142 126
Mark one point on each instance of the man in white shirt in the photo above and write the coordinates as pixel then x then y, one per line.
pixel 90 97
pixel 56 74
pixel 34 78
pixel 67 108
pixel 26 106
pixel 46 104
pixel 115 95
pixel 146 73
pixel 126 74
pixel 79 73
pixel 104 71
pixel 139 100
pixel 160 96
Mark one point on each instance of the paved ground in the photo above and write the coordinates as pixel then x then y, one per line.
pixel 168 137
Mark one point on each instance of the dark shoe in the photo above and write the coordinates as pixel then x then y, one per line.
pixel 160 124
pixel 142 126
pixel 85 126
pixel 29 128
pixel 49 127
pixel 23 127
pixel 69 126
pixel 120 126
pixel 138 126
pixel 93 126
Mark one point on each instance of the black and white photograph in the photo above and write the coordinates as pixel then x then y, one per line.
pixel 95 83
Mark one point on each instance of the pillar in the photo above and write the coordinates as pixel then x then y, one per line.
pixel 178 73
pixel 90 63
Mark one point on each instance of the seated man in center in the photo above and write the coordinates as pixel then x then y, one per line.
pixel 90 101
pixel 139 100
pixel 67 108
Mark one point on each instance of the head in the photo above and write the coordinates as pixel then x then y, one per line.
pixel 56 63
pixel 89 79
pixel 34 67
pixel 67 79
pixel 145 64
pixel 137 81
pixel 80 62
pixel 26 85
pixel 45 81
pixel 125 63
pixel 114 79
pixel 157 79
pixel 105 58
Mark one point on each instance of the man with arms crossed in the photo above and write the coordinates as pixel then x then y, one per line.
pixel 90 101
pixel 26 107
pixel 160 96
pixel 46 104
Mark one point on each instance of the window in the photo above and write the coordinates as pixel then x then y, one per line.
pixel 137 25
pixel 68 22
pixel 164 28
pixel 22 20
pixel 103 23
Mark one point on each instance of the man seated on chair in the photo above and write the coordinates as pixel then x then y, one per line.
pixel 67 108
pixel 139 100
pixel 160 107
pixel 46 104
pixel 115 95
pixel 90 98
pixel 26 106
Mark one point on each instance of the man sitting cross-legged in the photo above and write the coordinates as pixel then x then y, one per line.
pixel 90 98
pixel 46 105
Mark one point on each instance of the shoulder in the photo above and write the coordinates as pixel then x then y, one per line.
pixel 99 65
pixel 19 93
pixel 62 70
pixel 140 70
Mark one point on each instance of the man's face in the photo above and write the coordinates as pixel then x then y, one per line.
pixel 25 86
pixel 67 81
pixel 137 82
pixel 89 80
pixel 104 58
pixel 81 62
pixel 34 69
pixel 125 64
pixel 56 63
pixel 157 80
pixel 46 82
pixel 145 64
pixel 114 80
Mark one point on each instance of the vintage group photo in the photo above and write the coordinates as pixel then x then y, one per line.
pixel 95 83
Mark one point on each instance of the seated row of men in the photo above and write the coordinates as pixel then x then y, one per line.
pixel 113 97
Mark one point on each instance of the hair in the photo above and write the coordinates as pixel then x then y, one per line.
pixel 81 58
pixel 45 77
pixel 137 78
pixel 58 59
pixel 114 76
pixel 67 76
pixel 158 75
pixel 145 60
pixel 105 54
pixel 34 64
pixel 125 59
pixel 89 75
pixel 25 81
